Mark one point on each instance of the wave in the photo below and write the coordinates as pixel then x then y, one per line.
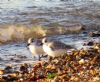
pixel 16 33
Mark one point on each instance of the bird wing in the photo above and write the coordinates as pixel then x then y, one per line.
pixel 39 42
pixel 58 45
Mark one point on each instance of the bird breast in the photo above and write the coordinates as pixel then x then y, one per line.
pixel 36 50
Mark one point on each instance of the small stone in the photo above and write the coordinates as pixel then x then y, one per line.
pixel 8 69
pixel 1 72
pixel 82 61
pixel 96 79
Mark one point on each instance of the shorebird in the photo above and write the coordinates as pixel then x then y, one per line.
pixel 54 48
pixel 35 47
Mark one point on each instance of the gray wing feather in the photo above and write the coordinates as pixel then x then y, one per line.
pixel 37 42
pixel 59 45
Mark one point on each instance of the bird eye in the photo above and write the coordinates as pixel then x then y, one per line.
pixel 32 40
pixel 46 40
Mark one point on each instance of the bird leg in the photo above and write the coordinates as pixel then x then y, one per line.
pixel 34 57
pixel 50 58
pixel 39 58
pixel 44 55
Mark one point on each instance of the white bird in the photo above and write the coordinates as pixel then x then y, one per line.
pixel 35 47
pixel 54 48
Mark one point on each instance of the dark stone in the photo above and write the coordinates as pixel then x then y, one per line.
pixel 94 34
pixel 91 43
pixel 85 32
pixel 24 68
pixel 8 69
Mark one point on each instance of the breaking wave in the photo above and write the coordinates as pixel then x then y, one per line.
pixel 16 33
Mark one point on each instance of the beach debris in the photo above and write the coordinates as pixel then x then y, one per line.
pixel 8 69
pixel 94 34
pixel 1 72
pixel 82 61
pixel 24 68
pixel 80 66
pixel 90 43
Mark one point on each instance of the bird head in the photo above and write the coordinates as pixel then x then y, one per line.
pixel 44 40
pixel 30 40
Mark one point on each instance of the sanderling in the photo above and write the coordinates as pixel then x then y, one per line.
pixel 54 48
pixel 35 47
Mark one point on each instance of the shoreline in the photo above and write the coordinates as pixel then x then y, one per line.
pixel 80 65
pixel 73 22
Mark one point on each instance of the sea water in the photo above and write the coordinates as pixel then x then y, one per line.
pixel 30 12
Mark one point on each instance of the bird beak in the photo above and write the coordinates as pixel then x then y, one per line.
pixel 27 46
pixel 41 43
